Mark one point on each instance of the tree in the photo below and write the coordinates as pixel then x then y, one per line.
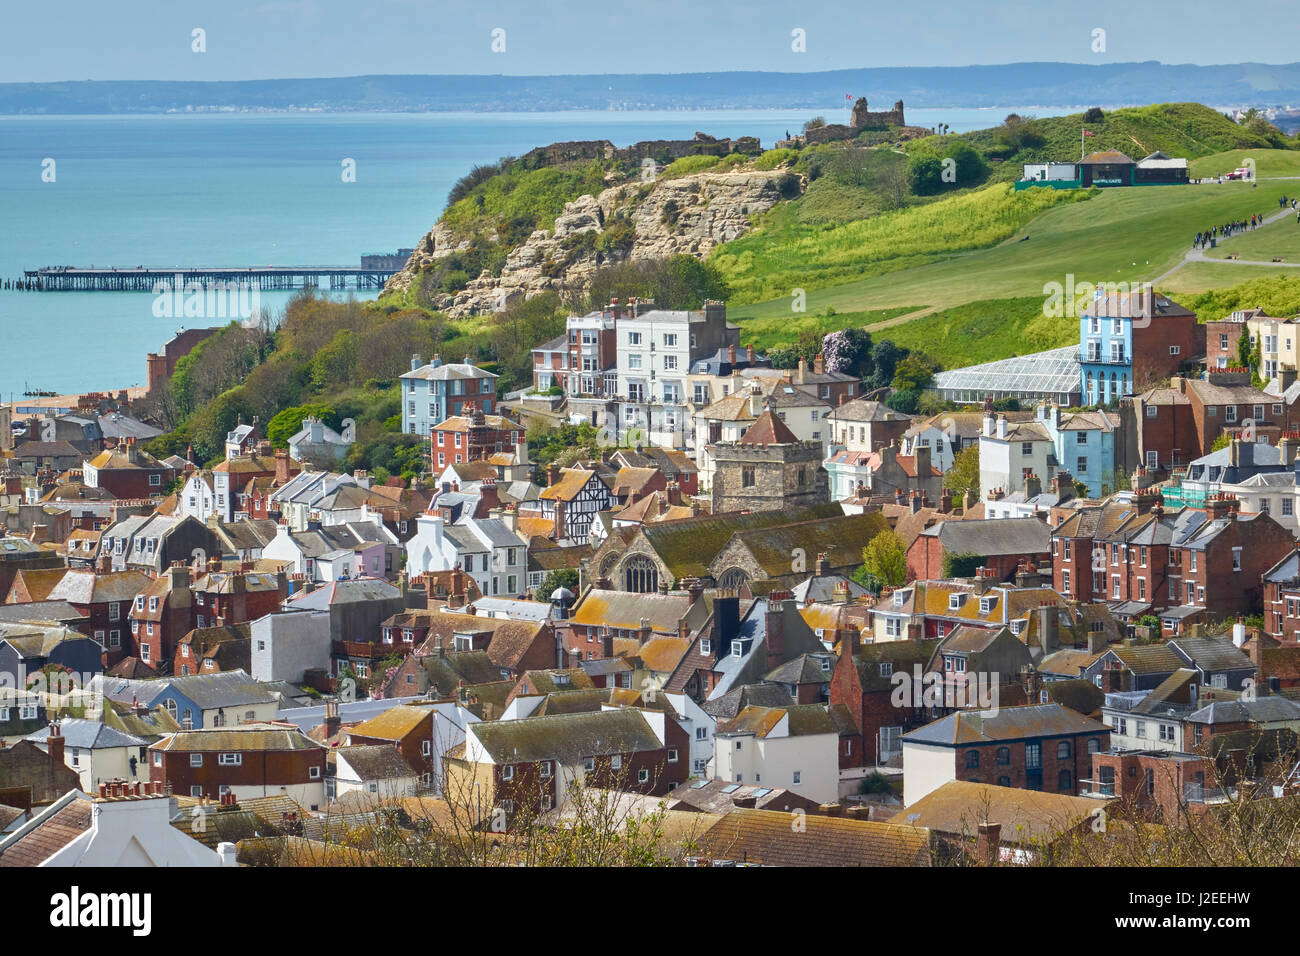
pixel 891 183
pixel 1221 441
pixel 817 122
pixel 885 356
pixel 559 578
pixel 288 423
pixel 961 565
pixel 925 174
pixel 885 558
pixel 964 475
pixel 912 374
pixel 848 351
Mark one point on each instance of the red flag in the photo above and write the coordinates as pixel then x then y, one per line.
pixel 1087 133
pixel 848 96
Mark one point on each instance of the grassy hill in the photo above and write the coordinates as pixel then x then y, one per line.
pixel 1130 235
pixel 1177 129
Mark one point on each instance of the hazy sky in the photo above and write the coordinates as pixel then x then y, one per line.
pixel 252 39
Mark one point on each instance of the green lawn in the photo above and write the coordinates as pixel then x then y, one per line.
pixel 1123 234
pixel 784 329
pixel 984 331
pixel 1202 276
pixel 1268 162
pixel 1281 238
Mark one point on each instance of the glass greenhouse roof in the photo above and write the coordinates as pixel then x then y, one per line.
pixel 1054 372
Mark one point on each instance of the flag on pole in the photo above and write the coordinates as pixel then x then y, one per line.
pixel 1087 132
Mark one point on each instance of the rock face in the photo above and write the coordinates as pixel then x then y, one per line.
pixel 690 214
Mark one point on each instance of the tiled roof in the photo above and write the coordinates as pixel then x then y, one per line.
pixel 768 430
pixel 250 737
pixel 393 724
pixel 572 481
pixel 765 837
pixel 52 834
pixel 567 737
pixel 626 609
pixel 959 807
pixel 377 762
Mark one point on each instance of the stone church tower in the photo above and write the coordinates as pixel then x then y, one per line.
pixel 768 469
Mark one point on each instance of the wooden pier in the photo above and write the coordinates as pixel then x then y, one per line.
pixel 146 279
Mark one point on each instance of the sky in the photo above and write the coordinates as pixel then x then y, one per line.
pixel 257 39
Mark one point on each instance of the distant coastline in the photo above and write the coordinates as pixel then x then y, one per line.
pixel 1052 84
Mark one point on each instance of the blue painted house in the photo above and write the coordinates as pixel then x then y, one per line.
pixel 1085 444
pixel 433 393
pixel 221 699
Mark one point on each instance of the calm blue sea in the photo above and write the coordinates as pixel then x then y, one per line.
pixel 252 189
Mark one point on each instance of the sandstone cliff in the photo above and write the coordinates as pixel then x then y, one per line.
pixel 667 217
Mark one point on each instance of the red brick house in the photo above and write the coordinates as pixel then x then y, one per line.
pixel 1282 599
pixel 1157 783
pixel 104 597
pixel 1162 425
pixel 1221 566
pixel 1224 401
pixel 863 683
pixel 408 727
pixel 1002 545
pixel 1122 550
pixel 181 600
pixel 524 765
pixel 472 436
pixel 1035 747
pixel 127 472
pixel 250 760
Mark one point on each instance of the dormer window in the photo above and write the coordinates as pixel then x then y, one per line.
pixel 955 601
pixel 898 599
pixel 737 648
pixel 986 604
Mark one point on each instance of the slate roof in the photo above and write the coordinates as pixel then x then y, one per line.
pixel 1261 710
pixel 727 706
pixel 90 734
pixel 992 536
pixel 1009 723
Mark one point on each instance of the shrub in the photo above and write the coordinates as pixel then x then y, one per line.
pixel 688 165
pixel 773 158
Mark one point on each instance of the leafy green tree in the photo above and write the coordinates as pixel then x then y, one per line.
pixel 961 565
pixel 964 475
pixel 912 374
pixel 559 578
pixel 885 558
pixel 288 423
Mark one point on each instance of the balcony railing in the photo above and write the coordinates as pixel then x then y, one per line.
pixel 1199 793
pixel 1097 788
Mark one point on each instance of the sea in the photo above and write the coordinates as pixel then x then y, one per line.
pixel 240 189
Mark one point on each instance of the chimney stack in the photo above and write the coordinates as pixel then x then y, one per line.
pixel 55 744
